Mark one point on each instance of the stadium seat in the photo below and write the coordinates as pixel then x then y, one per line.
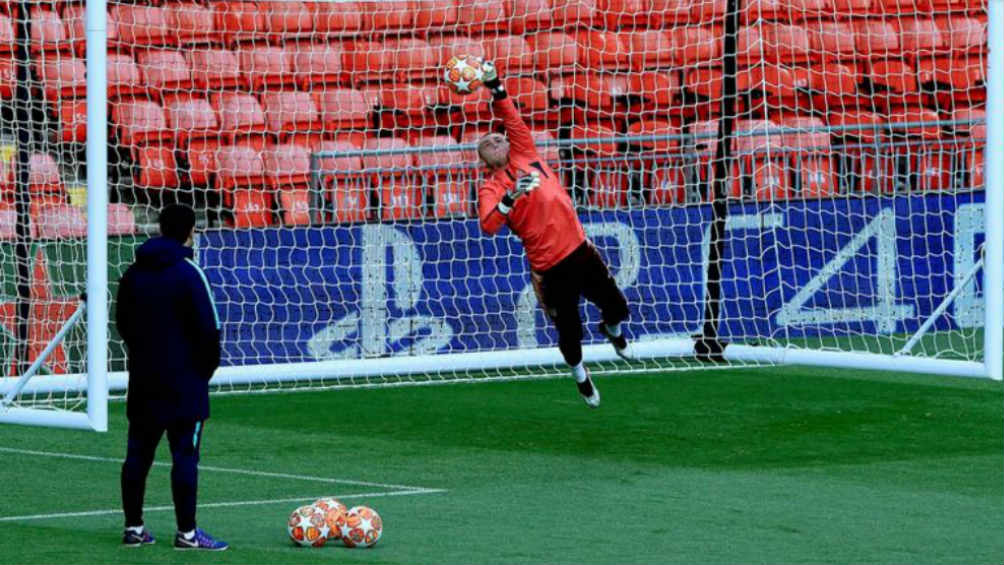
pixel 76 33
pixel 369 61
pixel 194 24
pixel 190 116
pixel 238 21
pixel 264 66
pixel 238 113
pixel 920 36
pixel 387 16
pixel 976 130
pixel 43 175
pixel 414 59
pixel 589 130
pixel 832 84
pixel 62 77
pixel 748 146
pixel 387 163
pixel 124 78
pixel 433 17
pixel 481 17
pixel 336 19
pixel 252 208
pixel 511 53
pixel 8 76
pixel 749 45
pixel 676 13
pixel 407 106
pixel 770 180
pixel 527 16
pixel 589 89
pixel 317 63
pixel 655 127
pixel 401 197
pixel 650 49
pixel 444 176
pixel 530 96
pixel 831 40
pixel 569 14
pixel 809 155
pixel 442 161
pixel 623 14
pixel 866 127
pixel 447 46
pixel 201 156
pixel 896 79
pixel 72 115
pixel 553 53
pixel 7 37
pixel 915 116
pixel 165 70
pixel 607 188
pixel 294 205
pixel 875 37
pixel 691 46
pixel 964 35
pixel 287 20
pixel 908 8
pixel 157 167
pixel 289 111
pixel 705 134
pixel 451 197
pixel 140 122
pixel 965 77
pixel 287 166
pixel 47 31
pixel 120 219
pixel 59 221
pixel 238 166
pixel 653 91
pixel 214 68
pixel 140 26
pixel 350 202
pixel 784 43
pixel 934 168
pixel 342 108
pixel 347 190
pixel 667 184
pixel 974 161
pixel 850 8
pixel 602 50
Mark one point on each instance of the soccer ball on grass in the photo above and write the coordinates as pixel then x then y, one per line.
pixel 363 527
pixel 307 527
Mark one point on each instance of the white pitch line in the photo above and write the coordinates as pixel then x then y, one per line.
pixel 213 505
pixel 217 469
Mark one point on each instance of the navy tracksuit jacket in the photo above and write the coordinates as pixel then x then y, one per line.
pixel 167 317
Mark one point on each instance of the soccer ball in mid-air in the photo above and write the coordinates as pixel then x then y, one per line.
pixel 334 516
pixel 363 527
pixel 307 526
pixel 463 73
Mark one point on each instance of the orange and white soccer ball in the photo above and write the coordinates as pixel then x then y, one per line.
pixel 363 527
pixel 334 515
pixel 463 73
pixel 307 527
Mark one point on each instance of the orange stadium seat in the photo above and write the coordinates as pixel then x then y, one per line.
pixel 443 161
pixel 451 197
pixel 965 76
pixel 674 13
pixel 317 63
pixel 784 43
pixel 294 205
pixel 570 14
pixel 43 174
pixel 388 163
pixel 124 78
pixel 866 127
pixel 602 50
pixel 920 36
pixel 511 53
pixel 72 120
pixel 810 156
pixel 201 156
pixel 238 21
pixel 596 91
pixel 400 196
pixel 435 16
pixel 140 122
pixel 900 7
pixel 157 167
pixel 849 8
pixel 407 106
pixel 973 162
pixel 190 116
pixel 194 23
pixel 290 111
pixel 831 40
pixel 287 166
pixel 138 25
pixel 342 108
pixel 388 16
pixel 252 208
pixel 692 45
pixel 934 168
pixel 554 52
pixel 335 19
pixel 623 14
pixel 530 95
pixel 165 70
pixel 447 46
pixel 964 35
pixel 238 166
pixel 214 68
pixel 918 116
pixel 875 37
pixel 588 130
pixel 369 61
pixel 47 31
pixel 655 127
pixel 528 15
pixel 265 66
pixel 8 220
pixel 414 59
pixel 548 153
pixel 650 49
pixel 749 45
pixel 770 180
pixel 62 77
pixel 447 182
pixel 287 20
pixel 896 83
pixel 976 130
pixel 478 17
pixel 346 190
pixel 653 91
pixel 239 113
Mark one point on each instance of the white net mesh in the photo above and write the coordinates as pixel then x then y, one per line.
pixel 332 172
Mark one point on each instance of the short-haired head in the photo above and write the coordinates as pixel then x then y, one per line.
pixel 493 149
pixel 177 222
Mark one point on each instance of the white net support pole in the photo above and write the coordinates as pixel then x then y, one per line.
pixel 993 287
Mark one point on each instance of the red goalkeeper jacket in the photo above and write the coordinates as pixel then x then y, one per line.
pixel 544 219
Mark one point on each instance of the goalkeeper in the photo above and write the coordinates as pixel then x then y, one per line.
pixel 522 191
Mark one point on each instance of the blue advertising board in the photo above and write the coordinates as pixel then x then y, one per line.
pixel 802 268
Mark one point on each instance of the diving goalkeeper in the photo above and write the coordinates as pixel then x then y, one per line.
pixel 522 191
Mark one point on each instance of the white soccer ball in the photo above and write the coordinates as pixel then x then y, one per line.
pixel 334 516
pixel 363 527
pixel 307 527
pixel 463 73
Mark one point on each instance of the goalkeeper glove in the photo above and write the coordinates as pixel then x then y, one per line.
pixel 524 185
pixel 490 78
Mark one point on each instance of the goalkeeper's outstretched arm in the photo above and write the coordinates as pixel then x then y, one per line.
pixel 520 138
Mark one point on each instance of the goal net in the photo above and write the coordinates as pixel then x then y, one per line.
pixel 770 181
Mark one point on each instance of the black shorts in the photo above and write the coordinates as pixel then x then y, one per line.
pixel 583 273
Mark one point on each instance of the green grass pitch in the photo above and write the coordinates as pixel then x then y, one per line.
pixel 773 465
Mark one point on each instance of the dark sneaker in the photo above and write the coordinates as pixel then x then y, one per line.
pixel 201 540
pixel 132 539
pixel 589 392
pixel 620 343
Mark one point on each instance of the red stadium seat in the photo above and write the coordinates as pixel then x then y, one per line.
pixel 451 197
pixel 749 45
pixel 287 111
pixel 140 25
pixel 287 166
pixel 570 14
pixel 655 127
pixel 607 189
pixel 623 14
pixel 832 81
pixel 920 36
pixel 140 122
pixel 266 66
pixel 287 20
pixel 770 180
pixel 157 167
pixel 803 142
pixel 238 21
pixel 831 40
pixel 602 50
pixel 387 16
pixel 478 17
pixel 432 17
pixel 317 63
pixel 749 141
pixel 443 161
pixel 974 162
pixel 865 127
pixel 692 45
pixel 530 96
pixel 194 24
pixel 528 15
pixel 347 191
pixel 350 202
pixel 934 168
pixel 59 221
pixel 965 77
pixel 411 99
pixel 848 8
pixel 201 155
pixel 589 130
pixel 214 68
pixel 369 61
pixel 554 52
pixel 976 130
pixel 238 166
pixel 655 91
pixel 900 7
pixel 875 37
pixel 414 59
pixel 511 53
pixel 294 205
pixel 388 163
pixel 963 35
pixel 124 78
pixel 190 117
pixel 650 49
pixel 668 185
pixel 7 37
pixel 342 108
pixel 894 75
pixel 915 116
pixel 335 19
pixel 238 113
pixel 785 43
pixel 165 70
pixel 73 22
pixel 401 198
pixel 43 175
pixel 62 77
pixel 252 208
pixel 47 31
pixel 447 46
pixel 72 120
pixel 120 219
pixel 593 90
pixel 675 13
pixel 8 75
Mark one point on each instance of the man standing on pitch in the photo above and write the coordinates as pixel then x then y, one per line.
pixel 524 193
pixel 166 315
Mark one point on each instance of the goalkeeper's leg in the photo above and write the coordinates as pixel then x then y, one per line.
pixel 559 294
pixel 600 288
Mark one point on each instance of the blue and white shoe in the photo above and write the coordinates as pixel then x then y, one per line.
pixel 201 540
pixel 133 539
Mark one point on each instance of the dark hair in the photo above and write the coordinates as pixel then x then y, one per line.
pixel 177 221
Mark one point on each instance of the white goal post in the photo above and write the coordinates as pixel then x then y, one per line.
pixel 395 299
